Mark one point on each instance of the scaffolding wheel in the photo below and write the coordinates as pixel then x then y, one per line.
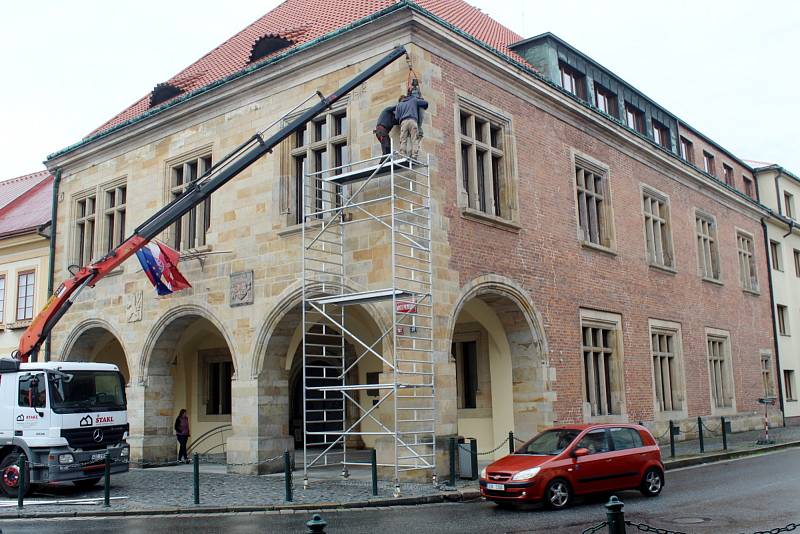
pixel 345 473
pixel 305 482
pixel 396 492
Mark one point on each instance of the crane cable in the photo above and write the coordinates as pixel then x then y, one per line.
pixel 412 80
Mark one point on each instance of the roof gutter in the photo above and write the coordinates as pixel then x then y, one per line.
pixel 52 259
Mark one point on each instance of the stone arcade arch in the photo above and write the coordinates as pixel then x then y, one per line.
pixel 96 341
pixel 187 362
pixel 499 352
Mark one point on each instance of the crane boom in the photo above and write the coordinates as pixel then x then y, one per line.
pixel 233 164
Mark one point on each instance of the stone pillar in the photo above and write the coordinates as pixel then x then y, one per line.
pixel 134 393
pixel 159 442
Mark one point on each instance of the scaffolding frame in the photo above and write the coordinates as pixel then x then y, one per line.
pixel 390 195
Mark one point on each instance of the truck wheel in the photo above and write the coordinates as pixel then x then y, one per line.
pixel 10 476
pixel 86 483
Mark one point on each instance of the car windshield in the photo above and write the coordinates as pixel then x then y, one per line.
pixel 549 442
pixel 86 391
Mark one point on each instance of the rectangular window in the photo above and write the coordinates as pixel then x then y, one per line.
pixel 661 135
pixel 708 163
pixel 465 354
pixel 26 282
pixel 719 369
pixel 766 374
pixel 593 207
pixel 789 389
pixel 797 263
pixel 190 230
pixel 605 100
pixel 327 151
pixel 663 347
pixel 788 204
pixel 634 118
pixel 32 391
pixel 728 174
pixel 484 166
pixel 658 236
pixel 783 319
pixel 707 246
pixel 748 187
pixel 218 370
pixel 84 229
pixel 687 150
pixel 747 262
pixel 573 81
pixel 776 256
pixel 601 346
pixel 114 215
pixel 2 297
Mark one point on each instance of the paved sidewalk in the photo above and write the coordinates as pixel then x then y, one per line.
pixel 739 442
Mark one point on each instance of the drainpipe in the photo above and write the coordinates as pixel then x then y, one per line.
pixel 52 259
pixel 774 323
pixel 778 172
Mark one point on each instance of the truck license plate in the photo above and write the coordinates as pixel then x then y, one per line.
pixel 98 456
pixel 492 486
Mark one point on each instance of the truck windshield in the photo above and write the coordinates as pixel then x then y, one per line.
pixel 86 391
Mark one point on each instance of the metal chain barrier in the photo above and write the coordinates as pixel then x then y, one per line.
pixel 595 528
pixel 788 528
pixel 495 449
pixel 714 431
pixel 644 527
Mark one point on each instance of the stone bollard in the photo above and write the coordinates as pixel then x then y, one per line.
pixel 615 516
pixel 316 524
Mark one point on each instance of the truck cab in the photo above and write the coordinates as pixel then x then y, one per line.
pixel 64 417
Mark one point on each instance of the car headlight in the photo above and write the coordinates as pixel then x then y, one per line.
pixel 525 475
pixel 66 459
pixel 483 473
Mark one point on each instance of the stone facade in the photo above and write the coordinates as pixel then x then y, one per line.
pixel 525 278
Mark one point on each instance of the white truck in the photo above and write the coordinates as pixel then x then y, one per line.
pixel 64 417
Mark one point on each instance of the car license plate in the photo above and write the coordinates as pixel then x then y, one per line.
pixel 98 456
pixel 492 486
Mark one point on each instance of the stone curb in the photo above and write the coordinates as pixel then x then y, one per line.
pixel 450 496
pixel 725 455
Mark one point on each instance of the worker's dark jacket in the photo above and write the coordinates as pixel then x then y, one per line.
pixel 409 109
pixel 386 118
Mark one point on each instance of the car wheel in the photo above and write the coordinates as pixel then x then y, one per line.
pixel 652 482
pixel 558 494
pixel 86 483
pixel 10 476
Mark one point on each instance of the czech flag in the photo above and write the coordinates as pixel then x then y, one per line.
pixel 160 264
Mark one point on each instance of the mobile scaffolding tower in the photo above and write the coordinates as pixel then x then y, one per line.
pixel 378 209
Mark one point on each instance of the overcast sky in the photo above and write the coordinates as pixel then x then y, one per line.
pixel 728 68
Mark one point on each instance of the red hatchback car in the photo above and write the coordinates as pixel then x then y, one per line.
pixel 570 460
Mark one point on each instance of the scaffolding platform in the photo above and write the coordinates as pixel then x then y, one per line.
pixel 367 242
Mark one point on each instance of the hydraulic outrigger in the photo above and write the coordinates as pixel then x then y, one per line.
pixel 218 175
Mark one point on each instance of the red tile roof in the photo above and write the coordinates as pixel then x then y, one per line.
pixel 303 21
pixel 25 202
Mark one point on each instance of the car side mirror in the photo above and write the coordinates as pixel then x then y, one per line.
pixel 583 451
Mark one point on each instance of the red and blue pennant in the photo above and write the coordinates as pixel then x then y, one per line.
pixel 160 264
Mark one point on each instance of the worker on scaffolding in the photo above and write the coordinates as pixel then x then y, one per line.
pixel 407 114
pixel 386 121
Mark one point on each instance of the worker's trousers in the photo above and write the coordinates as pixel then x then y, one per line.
pixel 409 138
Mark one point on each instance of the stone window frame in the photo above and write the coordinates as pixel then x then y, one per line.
pixel 468 201
pixel 710 254
pixel 201 238
pixel 115 234
pixel 465 333
pixel 590 318
pixel 748 266
pixel 677 374
pixel 767 373
pixel 288 194
pixel 608 242
pixel 205 357
pixel 80 223
pixel 725 372
pixel 657 223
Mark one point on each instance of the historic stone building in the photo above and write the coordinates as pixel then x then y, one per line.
pixel 584 270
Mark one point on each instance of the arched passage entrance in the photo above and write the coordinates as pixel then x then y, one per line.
pixel 500 359
pixel 95 342
pixel 188 365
